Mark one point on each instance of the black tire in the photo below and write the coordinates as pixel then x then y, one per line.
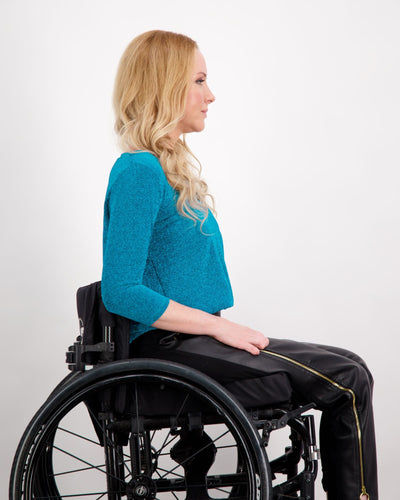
pixel 77 447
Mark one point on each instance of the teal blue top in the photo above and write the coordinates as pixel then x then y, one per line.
pixel 151 253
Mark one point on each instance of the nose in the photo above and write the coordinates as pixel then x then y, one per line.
pixel 210 97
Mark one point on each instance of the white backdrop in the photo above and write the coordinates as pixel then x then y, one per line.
pixel 301 150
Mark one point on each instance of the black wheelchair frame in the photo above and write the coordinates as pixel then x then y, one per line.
pixel 144 429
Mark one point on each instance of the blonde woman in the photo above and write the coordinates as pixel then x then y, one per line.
pixel 164 265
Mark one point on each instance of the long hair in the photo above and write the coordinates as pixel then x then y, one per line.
pixel 150 94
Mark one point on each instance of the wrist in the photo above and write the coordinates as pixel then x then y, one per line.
pixel 210 324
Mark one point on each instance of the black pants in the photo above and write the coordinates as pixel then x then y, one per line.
pixel 336 380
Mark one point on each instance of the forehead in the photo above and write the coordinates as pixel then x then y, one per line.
pixel 199 63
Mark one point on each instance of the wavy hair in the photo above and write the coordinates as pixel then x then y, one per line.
pixel 150 94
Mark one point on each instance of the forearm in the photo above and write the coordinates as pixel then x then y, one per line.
pixel 183 319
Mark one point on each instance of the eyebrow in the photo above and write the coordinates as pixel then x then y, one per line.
pixel 202 73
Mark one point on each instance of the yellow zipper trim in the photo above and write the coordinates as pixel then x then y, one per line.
pixel 346 389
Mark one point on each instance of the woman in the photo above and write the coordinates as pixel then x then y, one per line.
pixel 164 266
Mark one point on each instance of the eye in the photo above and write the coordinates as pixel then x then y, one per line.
pixel 200 81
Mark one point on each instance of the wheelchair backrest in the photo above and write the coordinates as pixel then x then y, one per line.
pixel 104 336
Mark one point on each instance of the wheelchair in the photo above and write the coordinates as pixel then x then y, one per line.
pixel 121 428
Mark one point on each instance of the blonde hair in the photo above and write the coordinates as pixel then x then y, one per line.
pixel 150 96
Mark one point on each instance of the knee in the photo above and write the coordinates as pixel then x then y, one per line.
pixel 367 373
pixel 360 381
pixel 362 367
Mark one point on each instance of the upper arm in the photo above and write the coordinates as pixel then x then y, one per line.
pixel 133 201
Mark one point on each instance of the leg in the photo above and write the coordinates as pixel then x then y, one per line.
pixel 341 385
pixel 361 362
pixel 336 380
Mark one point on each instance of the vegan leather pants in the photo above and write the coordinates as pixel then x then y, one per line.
pixel 336 380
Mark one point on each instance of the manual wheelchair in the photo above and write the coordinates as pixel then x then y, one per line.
pixel 141 429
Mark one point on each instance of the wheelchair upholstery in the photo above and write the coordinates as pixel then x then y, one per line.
pixel 147 414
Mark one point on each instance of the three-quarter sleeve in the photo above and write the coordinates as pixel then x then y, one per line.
pixel 133 199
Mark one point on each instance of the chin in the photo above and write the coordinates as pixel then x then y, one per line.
pixel 195 127
pixel 200 127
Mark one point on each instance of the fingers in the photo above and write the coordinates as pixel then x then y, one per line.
pixel 254 342
pixel 252 349
pixel 261 342
pixel 243 338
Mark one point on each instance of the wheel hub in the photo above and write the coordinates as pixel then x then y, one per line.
pixel 141 488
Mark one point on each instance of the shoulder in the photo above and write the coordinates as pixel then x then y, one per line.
pixel 139 167
pixel 140 175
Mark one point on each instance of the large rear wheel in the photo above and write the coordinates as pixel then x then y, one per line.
pixel 140 430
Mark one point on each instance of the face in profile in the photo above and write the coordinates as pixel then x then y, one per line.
pixel 198 99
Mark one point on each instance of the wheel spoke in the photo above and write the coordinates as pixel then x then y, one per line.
pixel 108 440
pixel 91 466
pixel 168 472
pixel 164 445
pixel 195 453
pixel 73 495
pixel 74 471
pixel 176 418
pixel 79 436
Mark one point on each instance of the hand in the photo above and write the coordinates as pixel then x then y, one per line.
pixel 240 337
